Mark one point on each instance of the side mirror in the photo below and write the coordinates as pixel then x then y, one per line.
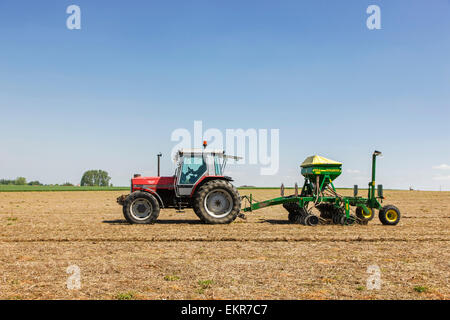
pixel 380 191
pixel 355 190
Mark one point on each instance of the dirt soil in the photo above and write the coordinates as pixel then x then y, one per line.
pixel 263 257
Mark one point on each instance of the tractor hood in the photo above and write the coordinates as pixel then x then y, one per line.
pixel 153 182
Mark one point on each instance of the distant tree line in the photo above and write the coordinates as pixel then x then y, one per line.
pixel 19 181
pixel 91 178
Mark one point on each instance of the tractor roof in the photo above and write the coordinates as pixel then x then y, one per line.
pixel 200 151
pixel 318 160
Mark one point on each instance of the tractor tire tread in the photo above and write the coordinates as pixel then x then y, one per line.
pixel 200 195
pixel 136 195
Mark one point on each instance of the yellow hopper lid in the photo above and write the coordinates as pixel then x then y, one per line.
pixel 318 160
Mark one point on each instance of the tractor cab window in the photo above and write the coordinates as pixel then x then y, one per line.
pixel 218 162
pixel 193 168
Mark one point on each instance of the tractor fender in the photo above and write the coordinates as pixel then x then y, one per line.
pixel 153 193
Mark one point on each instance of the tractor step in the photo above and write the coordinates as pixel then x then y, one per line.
pixel 181 206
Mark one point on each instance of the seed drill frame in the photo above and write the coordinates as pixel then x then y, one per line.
pixel 320 191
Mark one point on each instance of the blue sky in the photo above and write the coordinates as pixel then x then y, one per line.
pixel 109 96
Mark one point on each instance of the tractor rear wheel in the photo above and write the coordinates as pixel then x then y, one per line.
pixel 141 208
pixel 196 211
pixel 217 202
pixel 389 215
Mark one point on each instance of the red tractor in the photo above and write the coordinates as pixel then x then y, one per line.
pixel 198 183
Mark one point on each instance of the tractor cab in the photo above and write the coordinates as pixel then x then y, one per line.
pixel 196 165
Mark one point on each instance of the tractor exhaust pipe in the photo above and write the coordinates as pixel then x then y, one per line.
pixel 159 155
pixel 372 183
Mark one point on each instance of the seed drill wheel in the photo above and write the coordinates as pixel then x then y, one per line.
pixel 296 214
pixel 336 219
pixel 361 214
pixel 389 215
pixel 294 217
pixel 293 208
pixel 337 215
pixel 141 208
pixel 311 220
pixel 348 221
pixel 326 210
pixel 217 202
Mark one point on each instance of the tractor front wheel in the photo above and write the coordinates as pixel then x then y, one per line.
pixel 217 202
pixel 389 215
pixel 141 208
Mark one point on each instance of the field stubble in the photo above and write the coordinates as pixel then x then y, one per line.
pixel 263 257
